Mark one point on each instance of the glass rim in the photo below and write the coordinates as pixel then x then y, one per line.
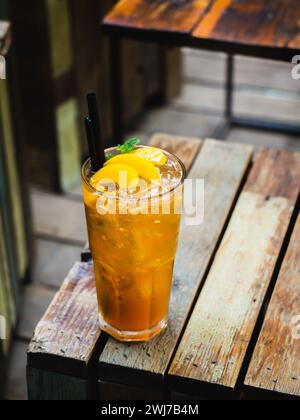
pixel 111 149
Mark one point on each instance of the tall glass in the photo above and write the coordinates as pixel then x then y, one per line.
pixel 133 243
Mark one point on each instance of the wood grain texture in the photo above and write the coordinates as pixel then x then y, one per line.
pixel 65 338
pixel 167 16
pixel 216 339
pixel 147 363
pixel 260 25
pixel 185 148
pixel 275 174
pixel 259 22
pixel 275 364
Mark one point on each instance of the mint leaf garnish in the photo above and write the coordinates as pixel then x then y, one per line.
pixel 108 157
pixel 128 146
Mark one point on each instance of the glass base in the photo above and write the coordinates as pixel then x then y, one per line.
pixel 130 336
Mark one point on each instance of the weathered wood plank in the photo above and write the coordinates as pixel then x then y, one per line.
pixel 261 139
pixel 219 331
pixel 275 364
pixel 169 16
pixel 259 22
pixel 58 217
pixel 186 148
pixel 137 364
pixel 68 332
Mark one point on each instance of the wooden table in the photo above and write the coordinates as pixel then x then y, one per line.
pixel 259 28
pixel 235 300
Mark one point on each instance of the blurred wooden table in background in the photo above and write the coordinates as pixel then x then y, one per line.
pixel 257 28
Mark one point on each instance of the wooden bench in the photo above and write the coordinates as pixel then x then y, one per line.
pixel 259 28
pixel 227 270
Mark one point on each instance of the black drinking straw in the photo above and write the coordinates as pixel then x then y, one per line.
pixel 94 134
pixel 91 144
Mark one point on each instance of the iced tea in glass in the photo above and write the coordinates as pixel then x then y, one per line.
pixel 133 236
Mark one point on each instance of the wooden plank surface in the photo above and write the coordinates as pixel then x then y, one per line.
pixel 256 22
pixel 275 364
pixel 219 331
pixel 137 364
pixel 185 148
pixel 260 25
pixel 68 333
pixel 169 16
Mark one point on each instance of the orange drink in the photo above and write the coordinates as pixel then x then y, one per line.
pixel 133 226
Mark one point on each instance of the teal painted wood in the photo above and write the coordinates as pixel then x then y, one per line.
pixel 53 386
